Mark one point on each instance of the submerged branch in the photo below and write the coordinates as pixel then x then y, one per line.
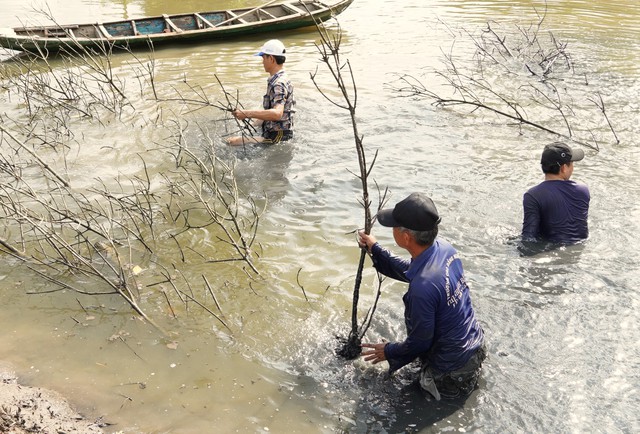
pixel 34 155
pixel 329 50
pixel 545 60
pixel 91 238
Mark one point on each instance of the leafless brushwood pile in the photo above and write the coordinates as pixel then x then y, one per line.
pixel 105 235
pixel 539 86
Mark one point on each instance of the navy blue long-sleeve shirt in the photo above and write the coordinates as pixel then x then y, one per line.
pixel 441 325
pixel 556 211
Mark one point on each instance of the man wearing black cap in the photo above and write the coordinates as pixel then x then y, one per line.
pixel 442 330
pixel 276 117
pixel 556 210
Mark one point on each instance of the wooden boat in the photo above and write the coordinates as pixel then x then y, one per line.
pixel 179 28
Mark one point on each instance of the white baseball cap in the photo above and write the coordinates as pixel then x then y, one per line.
pixel 272 48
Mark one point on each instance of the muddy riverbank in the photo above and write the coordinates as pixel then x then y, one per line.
pixel 27 409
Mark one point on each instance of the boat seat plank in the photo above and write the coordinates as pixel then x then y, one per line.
pixel 270 16
pixel 204 20
pixel 170 24
pixel 134 28
pixel 293 8
pixel 54 33
pixel 103 31
pixel 235 17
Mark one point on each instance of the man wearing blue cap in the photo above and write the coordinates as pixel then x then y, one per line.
pixel 556 210
pixel 442 330
pixel 276 118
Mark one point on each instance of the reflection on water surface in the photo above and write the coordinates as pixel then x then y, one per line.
pixel 562 325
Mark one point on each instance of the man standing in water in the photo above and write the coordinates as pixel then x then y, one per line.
pixel 442 330
pixel 556 210
pixel 276 118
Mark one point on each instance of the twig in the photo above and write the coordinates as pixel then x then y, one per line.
pixel 129 346
pixel 215 300
pixel 300 285
pixel 207 309
pixel 34 155
pixel 600 104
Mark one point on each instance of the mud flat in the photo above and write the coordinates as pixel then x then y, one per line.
pixel 25 409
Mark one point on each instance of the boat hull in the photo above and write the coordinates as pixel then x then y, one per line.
pixel 69 38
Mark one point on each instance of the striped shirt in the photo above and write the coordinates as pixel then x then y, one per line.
pixel 279 92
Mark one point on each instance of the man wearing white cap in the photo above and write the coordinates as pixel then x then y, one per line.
pixel 276 118
pixel 556 210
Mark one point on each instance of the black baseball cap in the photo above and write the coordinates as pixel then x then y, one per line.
pixel 560 153
pixel 417 212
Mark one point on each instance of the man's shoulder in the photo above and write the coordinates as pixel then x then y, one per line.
pixel 546 187
pixel 439 253
pixel 575 188
pixel 543 186
pixel 554 190
pixel 442 260
pixel 580 186
pixel 280 76
pixel 444 246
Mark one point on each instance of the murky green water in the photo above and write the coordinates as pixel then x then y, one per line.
pixel 562 326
